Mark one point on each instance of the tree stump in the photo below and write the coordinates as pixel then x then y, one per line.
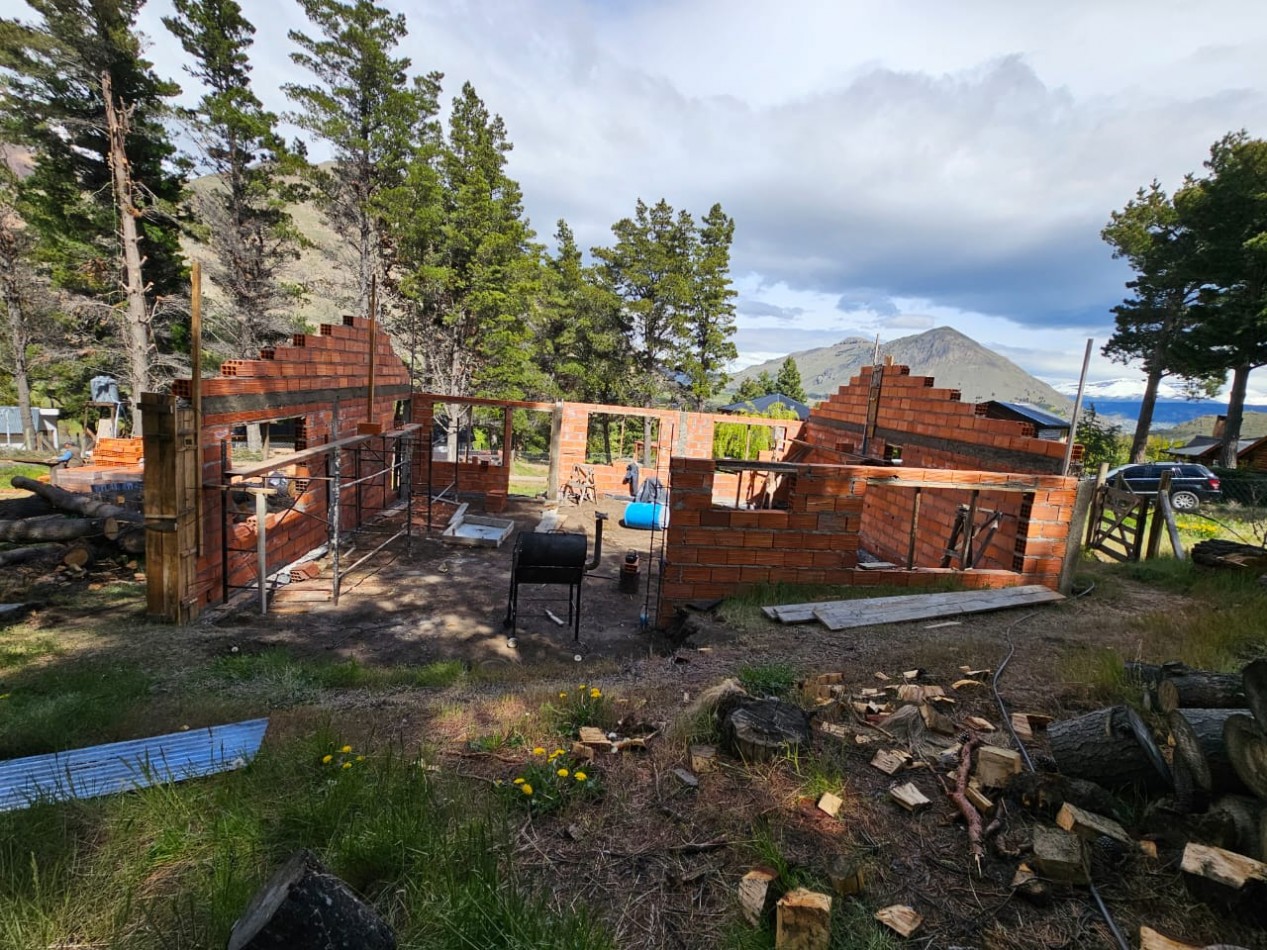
pixel 304 906
pixel 1199 746
pixel 764 729
pixel 1111 747
pixel 1201 689
pixel 1247 749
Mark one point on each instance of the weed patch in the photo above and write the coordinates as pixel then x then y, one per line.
pixel 767 679
pixel 56 708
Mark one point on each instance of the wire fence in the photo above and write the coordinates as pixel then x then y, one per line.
pixel 1238 514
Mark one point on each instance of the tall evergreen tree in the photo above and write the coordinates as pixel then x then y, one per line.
pixel 366 106
pixel 1227 214
pixel 15 295
pixel 243 213
pixel 52 74
pixel 788 381
pixel 710 319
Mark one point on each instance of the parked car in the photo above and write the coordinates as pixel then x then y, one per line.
pixel 1189 484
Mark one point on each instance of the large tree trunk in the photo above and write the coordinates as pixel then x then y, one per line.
pixel 1201 689
pixel 19 338
pixel 304 905
pixel 1235 413
pixel 137 337
pixel 1139 444
pixel 84 505
pixel 1111 747
pixel 50 529
pixel 34 552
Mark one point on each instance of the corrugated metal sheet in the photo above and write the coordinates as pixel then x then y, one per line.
pixel 123 766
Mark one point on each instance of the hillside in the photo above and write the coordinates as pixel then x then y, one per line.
pixel 957 361
pixel 1253 426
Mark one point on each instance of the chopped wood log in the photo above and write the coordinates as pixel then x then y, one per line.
pixel 304 905
pixel 1229 554
pixel 755 895
pixel 1026 883
pixel 1200 689
pixel 978 799
pixel 1150 939
pixel 761 730
pixel 996 766
pixel 980 724
pixel 32 552
pixel 831 804
pixel 909 797
pixel 937 722
pixel 49 529
pixel 594 737
pixel 1247 749
pixel 703 758
pixel 83 505
pixel 1226 878
pixel 1060 855
pixel 1232 822
pixel 80 554
pixel 1089 826
pixel 129 537
pixel 1201 751
pixel 1111 747
pixel 803 921
pixel 889 761
pixel 1254 683
pixel 900 918
pixel 847 874
pixel 1020 725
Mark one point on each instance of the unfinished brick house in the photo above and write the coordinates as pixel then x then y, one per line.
pixel 886 466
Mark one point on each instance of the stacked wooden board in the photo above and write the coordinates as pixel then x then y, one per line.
pixel 869 611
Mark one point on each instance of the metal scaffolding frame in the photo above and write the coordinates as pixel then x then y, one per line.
pixel 388 455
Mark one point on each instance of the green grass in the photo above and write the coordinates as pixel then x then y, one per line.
pixel 173 866
pixel 10 469
pixel 767 679
pixel 284 680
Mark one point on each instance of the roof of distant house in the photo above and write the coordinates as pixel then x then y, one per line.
pixel 762 404
pixel 1201 446
pixel 1040 417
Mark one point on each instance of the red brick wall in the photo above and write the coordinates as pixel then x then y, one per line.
pixel 303 381
pixel 716 552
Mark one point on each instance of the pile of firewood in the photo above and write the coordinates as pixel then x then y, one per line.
pixel 86 527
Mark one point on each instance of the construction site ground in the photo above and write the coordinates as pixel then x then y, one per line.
pixel 657 859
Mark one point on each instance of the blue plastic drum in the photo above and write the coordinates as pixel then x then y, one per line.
pixel 643 514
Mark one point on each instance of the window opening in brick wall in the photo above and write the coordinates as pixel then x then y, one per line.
pixel 261 441
pixel 487 435
pixel 530 452
pixel 612 438
pixel 468 433
pixel 737 440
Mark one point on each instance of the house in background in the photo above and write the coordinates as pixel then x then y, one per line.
pixel 45 421
pixel 1046 425
pixel 1250 453
pixel 761 405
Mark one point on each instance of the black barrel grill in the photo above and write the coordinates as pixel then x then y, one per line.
pixel 552 559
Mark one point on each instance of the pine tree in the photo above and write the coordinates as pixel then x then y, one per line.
pixel 709 325
pixel 14 294
pixel 788 382
pixel 243 213
pixel 366 106
pixel 53 76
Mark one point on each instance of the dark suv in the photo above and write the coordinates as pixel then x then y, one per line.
pixel 1189 484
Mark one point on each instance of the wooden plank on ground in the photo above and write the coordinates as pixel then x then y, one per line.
pixel 844 614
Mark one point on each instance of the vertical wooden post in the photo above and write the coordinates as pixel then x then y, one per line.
pixel 195 387
pixel 261 548
pixel 1158 519
pixel 556 451
pixel 910 549
pixel 1141 523
pixel 1082 505
pixel 171 484
pixel 369 402
pixel 965 554
pixel 1097 501
pixel 508 436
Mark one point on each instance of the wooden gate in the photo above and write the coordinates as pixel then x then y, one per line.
pixel 1117 523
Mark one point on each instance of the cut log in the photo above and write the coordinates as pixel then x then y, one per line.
pixel 130 537
pixel 1150 939
pixel 847 874
pixel 703 758
pixel 889 761
pixel 909 797
pixel 1228 879
pixel 1200 749
pixel 831 804
pixel 1247 749
pixel 765 729
pixel 32 552
pixel 1232 823
pixel 755 895
pixel 1201 689
pixel 900 918
pixel 996 766
pixel 936 721
pixel 1089 826
pixel 84 505
pixel 1026 883
pixel 49 529
pixel 1060 855
pixel 79 554
pixel 304 905
pixel 804 921
pixel 1254 683
pixel 1111 747
pixel 1217 552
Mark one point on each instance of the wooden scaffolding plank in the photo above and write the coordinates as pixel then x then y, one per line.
pixel 840 615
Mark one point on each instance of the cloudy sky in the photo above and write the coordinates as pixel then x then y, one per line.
pixel 891 166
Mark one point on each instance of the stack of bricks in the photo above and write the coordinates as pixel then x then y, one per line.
pixel 932 426
pixel 716 552
pixel 302 381
pixel 115 452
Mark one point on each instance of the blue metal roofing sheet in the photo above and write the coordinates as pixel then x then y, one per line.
pixel 123 766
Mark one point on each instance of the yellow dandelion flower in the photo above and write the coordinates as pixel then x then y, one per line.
pixel 582 686
pixel 558 752
pixel 526 788
pixel 360 758
pixel 563 773
pixel 346 748
pixel 563 695
pixel 347 765
pixel 580 776
pixel 595 693
pixel 519 781
pixel 327 759
pixel 538 751
pixel 4 695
